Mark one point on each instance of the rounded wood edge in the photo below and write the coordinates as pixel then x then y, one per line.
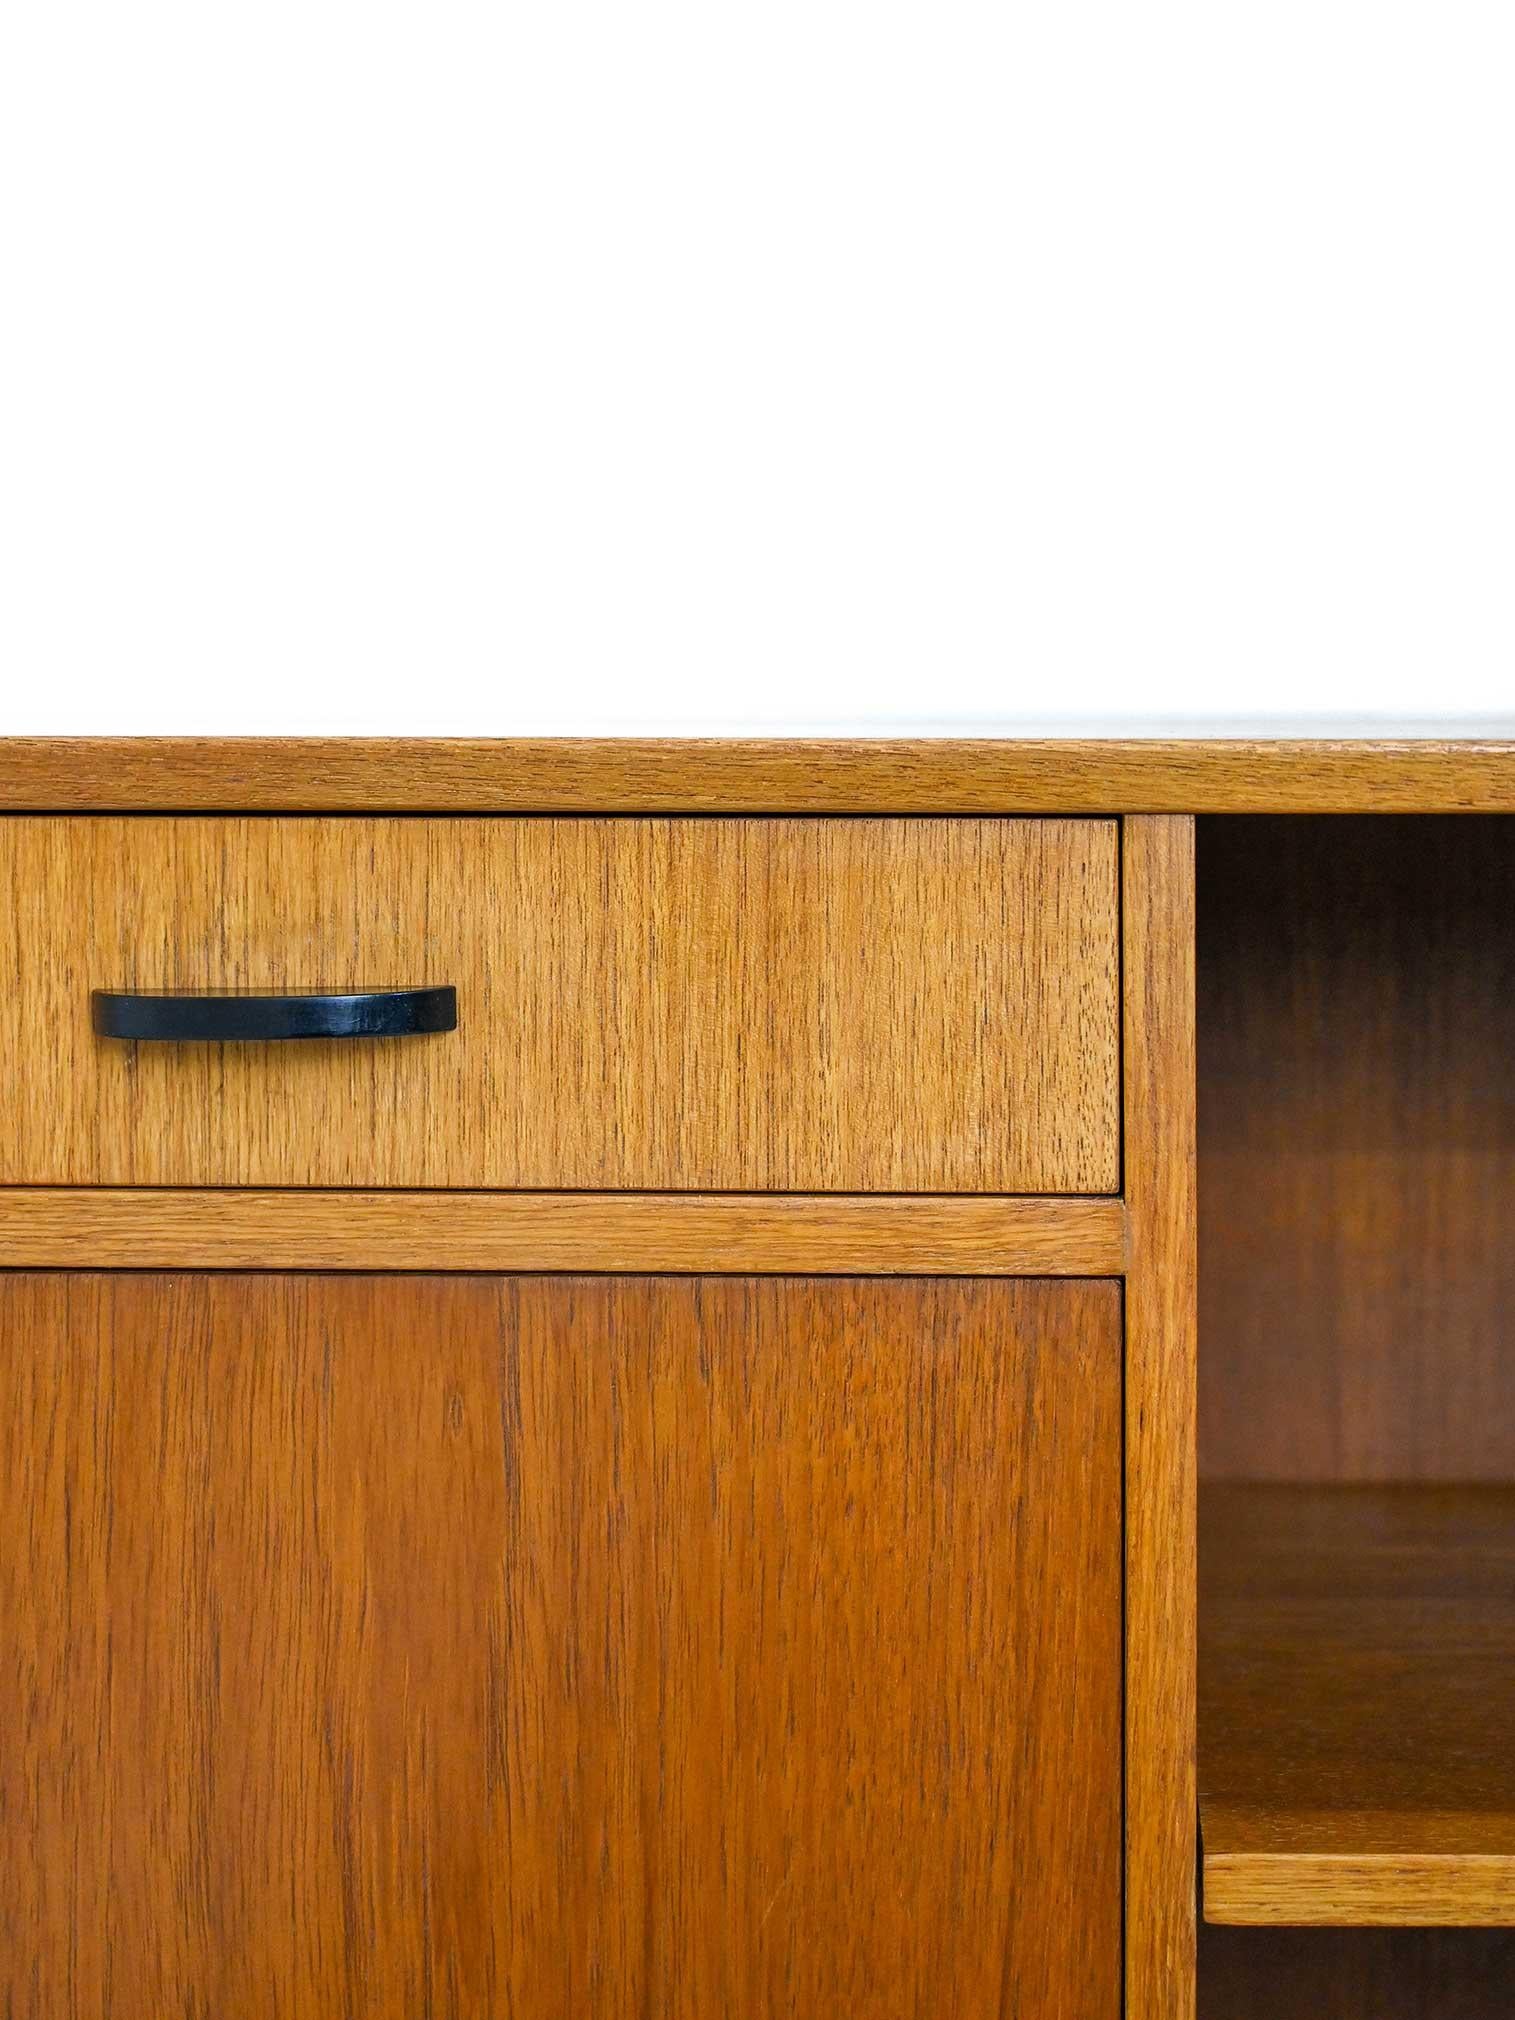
pixel 1255 1890
pixel 758 775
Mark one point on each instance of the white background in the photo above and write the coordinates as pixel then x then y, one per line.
pixel 552 365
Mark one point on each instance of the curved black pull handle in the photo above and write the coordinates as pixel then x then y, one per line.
pixel 231 1014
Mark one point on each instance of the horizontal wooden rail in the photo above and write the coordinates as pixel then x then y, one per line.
pixel 149 1228
pixel 806 775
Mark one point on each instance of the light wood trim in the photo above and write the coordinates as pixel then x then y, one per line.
pixel 146 1228
pixel 757 775
pixel 1355 1765
pixel 1392 1891
pixel 1158 970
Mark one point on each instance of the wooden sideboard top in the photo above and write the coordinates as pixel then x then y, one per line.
pixel 754 775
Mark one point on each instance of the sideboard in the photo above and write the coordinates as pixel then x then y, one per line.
pixel 647 1380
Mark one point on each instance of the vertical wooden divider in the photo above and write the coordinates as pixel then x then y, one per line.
pixel 1157 909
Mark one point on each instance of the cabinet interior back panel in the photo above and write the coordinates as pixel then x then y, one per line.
pixel 1356 981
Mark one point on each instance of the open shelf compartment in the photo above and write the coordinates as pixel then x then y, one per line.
pixel 1356 1068
pixel 1357 1705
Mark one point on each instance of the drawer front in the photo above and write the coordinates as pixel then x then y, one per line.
pixel 701 1004
pixel 576 1648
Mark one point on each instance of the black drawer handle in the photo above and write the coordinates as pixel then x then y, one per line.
pixel 222 1014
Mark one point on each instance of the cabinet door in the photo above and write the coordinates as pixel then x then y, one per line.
pixel 698 1648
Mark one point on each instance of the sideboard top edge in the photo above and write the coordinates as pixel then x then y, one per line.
pixel 568 775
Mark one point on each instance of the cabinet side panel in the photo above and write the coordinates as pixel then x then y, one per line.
pixel 1158 964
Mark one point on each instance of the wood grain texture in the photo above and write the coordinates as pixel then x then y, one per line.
pixel 1357 1705
pixel 559 1647
pixel 1356 1974
pixel 1357 1149
pixel 766 1005
pixel 817 1233
pixel 874 775
pixel 1158 967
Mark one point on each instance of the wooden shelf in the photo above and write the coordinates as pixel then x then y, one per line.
pixel 1357 1705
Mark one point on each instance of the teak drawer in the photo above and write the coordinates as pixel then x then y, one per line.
pixel 797 1004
